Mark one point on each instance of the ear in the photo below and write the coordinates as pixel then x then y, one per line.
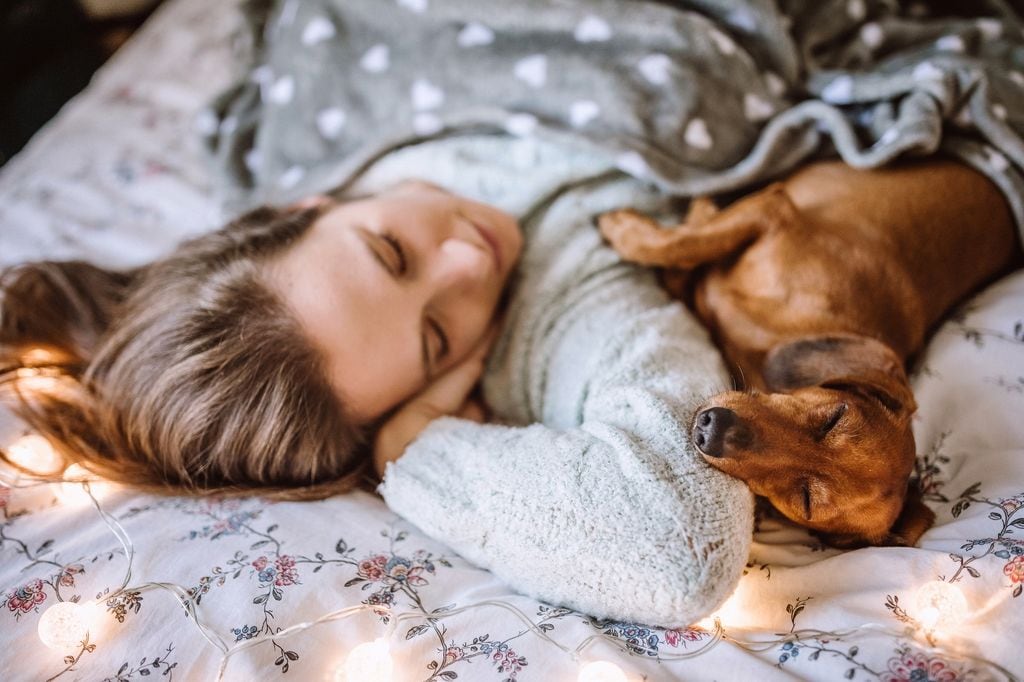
pixel 835 360
pixel 913 521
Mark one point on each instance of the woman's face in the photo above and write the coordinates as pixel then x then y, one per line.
pixel 397 288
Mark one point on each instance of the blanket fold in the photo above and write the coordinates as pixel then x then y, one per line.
pixel 695 96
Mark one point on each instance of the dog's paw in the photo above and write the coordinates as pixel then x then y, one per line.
pixel 623 229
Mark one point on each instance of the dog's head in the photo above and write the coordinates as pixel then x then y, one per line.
pixel 832 447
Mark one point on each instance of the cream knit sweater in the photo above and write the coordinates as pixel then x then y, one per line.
pixel 588 494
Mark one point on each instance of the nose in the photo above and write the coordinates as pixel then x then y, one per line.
pixel 460 262
pixel 716 427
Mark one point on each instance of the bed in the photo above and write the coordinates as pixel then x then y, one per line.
pixel 249 589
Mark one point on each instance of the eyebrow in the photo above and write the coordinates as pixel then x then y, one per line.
pixel 367 237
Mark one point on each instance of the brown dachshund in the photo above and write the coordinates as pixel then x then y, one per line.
pixel 817 291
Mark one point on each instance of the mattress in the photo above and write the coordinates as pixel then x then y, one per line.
pixel 250 589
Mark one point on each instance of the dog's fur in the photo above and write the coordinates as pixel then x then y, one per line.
pixel 817 291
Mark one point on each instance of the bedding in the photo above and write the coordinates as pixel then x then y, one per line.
pixel 118 178
pixel 695 97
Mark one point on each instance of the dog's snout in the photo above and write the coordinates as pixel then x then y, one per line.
pixel 711 428
pixel 717 430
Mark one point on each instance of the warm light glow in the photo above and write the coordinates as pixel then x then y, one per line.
pixel 71 491
pixel 369 661
pixel 940 605
pixel 41 379
pixel 602 671
pixel 36 355
pixel 34 453
pixel 732 613
pixel 65 625
pixel 707 624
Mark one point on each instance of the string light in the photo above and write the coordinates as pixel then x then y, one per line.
pixel 65 625
pixel 369 661
pixel 34 453
pixel 41 379
pixel 940 605
pixel 601 671
pixel 72 489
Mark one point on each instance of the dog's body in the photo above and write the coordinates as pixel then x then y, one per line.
pixel 819 289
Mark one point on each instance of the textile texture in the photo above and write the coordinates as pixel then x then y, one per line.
pixel 697 97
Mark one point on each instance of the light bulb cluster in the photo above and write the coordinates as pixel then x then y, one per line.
pixel 66 626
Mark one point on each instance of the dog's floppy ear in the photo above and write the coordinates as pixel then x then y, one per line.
pixel 841 360
pixel 913 521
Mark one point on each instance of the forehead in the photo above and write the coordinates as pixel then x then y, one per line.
pixel 329 283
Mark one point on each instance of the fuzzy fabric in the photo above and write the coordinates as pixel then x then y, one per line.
pixel 589 494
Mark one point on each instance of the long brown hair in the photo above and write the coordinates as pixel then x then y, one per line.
pixel 185 375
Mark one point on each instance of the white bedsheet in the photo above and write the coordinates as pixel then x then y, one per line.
pixel 117 178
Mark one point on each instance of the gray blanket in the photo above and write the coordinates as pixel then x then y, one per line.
pixel 697 96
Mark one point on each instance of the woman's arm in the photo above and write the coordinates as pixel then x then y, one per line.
pixel 614 515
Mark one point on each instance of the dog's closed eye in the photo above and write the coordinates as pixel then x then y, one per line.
pixel 807 500
pixel 833 420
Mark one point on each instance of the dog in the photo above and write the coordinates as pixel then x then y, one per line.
pixel 818 290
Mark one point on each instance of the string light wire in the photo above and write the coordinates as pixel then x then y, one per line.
pixel 718 633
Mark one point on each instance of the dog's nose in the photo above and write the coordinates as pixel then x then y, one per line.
pixel 710 429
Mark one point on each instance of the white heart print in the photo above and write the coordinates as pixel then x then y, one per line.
pixel 583 112
pixel 475 34
pixel 532 70
pixel 697 135
pixel 317 30
pixel 655 68
pixel 377 59
pixel 330 122
pixel 417 6
pixel 426 95
pixel 282 91
pixel 592 30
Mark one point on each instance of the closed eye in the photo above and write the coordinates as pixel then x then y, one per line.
pixel 401 263
pixel 832 421
pixel 807 501
pixel 442 340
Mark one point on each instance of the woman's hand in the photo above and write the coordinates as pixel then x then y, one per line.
pixel 448 395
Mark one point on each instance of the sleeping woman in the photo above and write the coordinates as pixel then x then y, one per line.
pixel 299 351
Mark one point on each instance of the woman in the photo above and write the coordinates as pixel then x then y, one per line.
pixel 277 353
pixel 232 364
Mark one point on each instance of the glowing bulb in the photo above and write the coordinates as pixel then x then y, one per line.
pixel 940 605
pixel 601 671
pixel 71 490
pixel 36 355
pixel 35 454
pixel 40 379
pixel 370 661
pixel 65 625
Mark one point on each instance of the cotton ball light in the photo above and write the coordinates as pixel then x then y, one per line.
pixel 65 625
pixel 71 491
pixel 369 661
pixel 34 453
pixel 940 605
pixel 601 671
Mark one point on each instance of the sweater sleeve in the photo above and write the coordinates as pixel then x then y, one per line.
pixel 601 505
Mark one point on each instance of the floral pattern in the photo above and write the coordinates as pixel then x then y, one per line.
pixel 910 666
pixel 117 164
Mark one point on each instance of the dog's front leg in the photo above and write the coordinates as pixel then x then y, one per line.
pixel 642 240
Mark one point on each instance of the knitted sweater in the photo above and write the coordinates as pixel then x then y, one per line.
pixel 588 494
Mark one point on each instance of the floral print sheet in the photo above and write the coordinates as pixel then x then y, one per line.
pixel 117 177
